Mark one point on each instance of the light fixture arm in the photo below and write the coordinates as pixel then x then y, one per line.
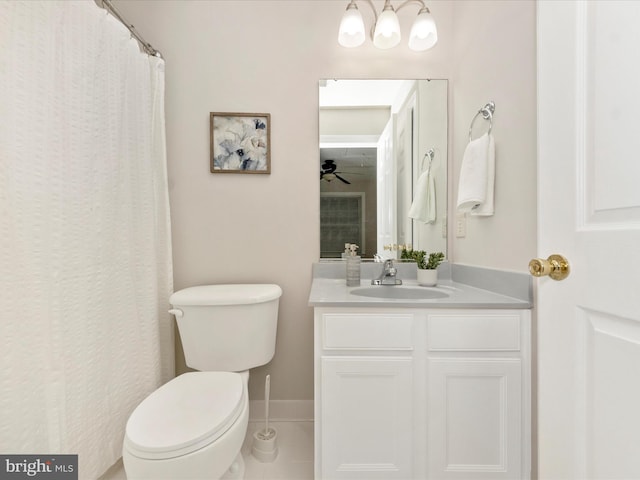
pixel 375 15
pixel 373 7
pixel 407 2
pixel 397 9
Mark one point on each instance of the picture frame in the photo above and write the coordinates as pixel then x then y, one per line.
pixel 240 142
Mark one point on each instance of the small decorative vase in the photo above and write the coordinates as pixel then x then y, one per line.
pixel 427 278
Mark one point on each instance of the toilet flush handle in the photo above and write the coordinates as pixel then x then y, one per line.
pixel 177 312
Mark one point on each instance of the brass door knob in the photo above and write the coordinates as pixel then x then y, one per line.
pixel 556 266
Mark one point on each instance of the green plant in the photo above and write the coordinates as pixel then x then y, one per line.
pixel 416 255
pixel 420 257
pixel 435 259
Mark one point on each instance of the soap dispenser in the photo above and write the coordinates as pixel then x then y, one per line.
pixel 353 266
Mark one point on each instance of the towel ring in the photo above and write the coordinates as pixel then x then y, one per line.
pixel 487 113
pixel 429 154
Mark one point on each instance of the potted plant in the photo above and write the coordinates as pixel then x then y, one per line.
pixel 427 265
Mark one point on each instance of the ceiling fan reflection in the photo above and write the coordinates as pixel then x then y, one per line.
pixel 328 172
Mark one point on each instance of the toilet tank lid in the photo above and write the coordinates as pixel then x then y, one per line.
pixel 231 294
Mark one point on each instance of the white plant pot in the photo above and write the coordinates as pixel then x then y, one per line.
pixel 427 278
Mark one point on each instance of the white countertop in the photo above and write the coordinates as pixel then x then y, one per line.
pixel 332 292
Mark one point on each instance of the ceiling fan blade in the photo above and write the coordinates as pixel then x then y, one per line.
pixel 342 179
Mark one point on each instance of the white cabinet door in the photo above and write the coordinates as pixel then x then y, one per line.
pixel 366 417
pixel 475 418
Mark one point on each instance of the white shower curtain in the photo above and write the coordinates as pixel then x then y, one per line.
pixel 85 252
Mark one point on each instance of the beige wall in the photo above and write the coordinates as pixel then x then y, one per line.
pixel 267 56
pixel 495 59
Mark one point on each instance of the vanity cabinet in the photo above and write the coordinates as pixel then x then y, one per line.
pixel 422 393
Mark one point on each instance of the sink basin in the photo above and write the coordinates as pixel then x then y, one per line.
pixel 400 293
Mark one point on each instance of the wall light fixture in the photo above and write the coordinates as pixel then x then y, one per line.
pixel 385 32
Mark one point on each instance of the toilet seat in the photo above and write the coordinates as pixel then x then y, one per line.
pixel 186 414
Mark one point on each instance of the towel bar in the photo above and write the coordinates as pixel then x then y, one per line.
pixel 487 114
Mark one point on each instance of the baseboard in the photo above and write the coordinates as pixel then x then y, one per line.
pixel 282 410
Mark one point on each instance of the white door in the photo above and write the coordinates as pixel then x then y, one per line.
pixel 386 192
pixel 589 211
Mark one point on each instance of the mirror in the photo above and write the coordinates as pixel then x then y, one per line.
pixel 383 160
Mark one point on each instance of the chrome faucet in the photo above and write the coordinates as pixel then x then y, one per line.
pixel 388 275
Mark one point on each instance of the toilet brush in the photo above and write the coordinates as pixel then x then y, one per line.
pixel 267 434
pixel 264 441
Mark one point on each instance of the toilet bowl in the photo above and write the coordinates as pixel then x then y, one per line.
pixel 190 428
pixel 193 427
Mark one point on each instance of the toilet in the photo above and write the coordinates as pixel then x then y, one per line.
pixel 193 426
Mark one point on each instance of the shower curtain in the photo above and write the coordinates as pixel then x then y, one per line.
pixel 85 252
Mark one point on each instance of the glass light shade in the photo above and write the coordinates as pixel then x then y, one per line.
pixel 387 32
pixel 351 32
pixel 424 34
pixel 329 176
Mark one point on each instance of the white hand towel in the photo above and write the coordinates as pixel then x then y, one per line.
pixel 477 177
pixel 423 207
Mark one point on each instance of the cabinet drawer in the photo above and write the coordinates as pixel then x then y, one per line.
pixel 491 332
pixel 367 331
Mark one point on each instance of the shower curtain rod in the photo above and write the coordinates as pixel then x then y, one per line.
pixel 149 50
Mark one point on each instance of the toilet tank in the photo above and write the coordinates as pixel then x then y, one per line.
pixel 227 327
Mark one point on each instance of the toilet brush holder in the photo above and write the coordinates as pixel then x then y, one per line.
pixel 265 447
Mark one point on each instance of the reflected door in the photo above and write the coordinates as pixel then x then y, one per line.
pixel 386 192
pixel 404 153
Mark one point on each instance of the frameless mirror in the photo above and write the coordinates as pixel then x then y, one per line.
pixel 383 166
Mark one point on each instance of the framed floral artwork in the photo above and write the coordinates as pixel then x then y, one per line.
pixel 240 142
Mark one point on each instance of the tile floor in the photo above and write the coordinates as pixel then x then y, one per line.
pixel 294 461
